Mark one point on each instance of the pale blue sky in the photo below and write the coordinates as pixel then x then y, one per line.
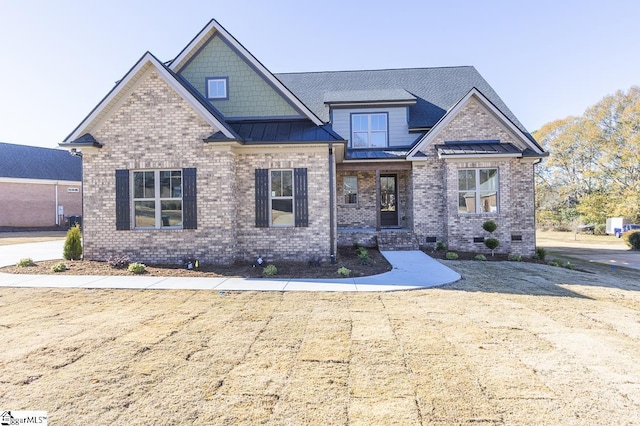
pixel 547 59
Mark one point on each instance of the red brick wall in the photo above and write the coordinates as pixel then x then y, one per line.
pixel 34 205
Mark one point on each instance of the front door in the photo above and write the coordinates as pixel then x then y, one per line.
pixel 388 200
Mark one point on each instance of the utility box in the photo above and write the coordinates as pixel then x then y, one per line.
pixel 615 224
pixel 75 220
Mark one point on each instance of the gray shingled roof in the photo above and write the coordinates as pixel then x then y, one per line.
pixel 385 95
pixel 436 89
pixel 31 162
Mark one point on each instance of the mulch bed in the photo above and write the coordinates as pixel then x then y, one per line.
pixel 347 257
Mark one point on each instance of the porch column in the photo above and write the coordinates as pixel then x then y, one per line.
pixel 378 214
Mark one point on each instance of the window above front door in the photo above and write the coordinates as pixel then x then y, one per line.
pixel 369 130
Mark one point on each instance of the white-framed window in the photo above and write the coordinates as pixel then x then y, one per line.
pixel 217 88
pixel 157 199
pixel 281 197
pixel 350 189
pixel 478 191
pixel 369 130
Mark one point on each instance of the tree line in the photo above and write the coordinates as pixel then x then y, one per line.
pixel 593 170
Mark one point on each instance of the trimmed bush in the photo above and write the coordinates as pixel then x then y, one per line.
pixel 344 272
pixel 441 246
pixel 632 239
pixel 73 244
pixel 270 271
pixel 59 267
pixel 480 257
pixel 553 263
pixel 492 244
pixel 451 255
pixel 514 257
pixel 26 262
pixel 569 265
pixel 490 226
pixel 137 268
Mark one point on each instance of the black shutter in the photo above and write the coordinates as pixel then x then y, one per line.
pixel 123 210
pixel 189 199
pixel 300 197
pixel 262 198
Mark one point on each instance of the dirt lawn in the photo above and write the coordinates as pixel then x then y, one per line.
pixel 512 343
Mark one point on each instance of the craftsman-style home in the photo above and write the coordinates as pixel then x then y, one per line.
pixel 211 156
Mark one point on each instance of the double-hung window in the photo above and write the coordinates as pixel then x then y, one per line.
pixel 369 130
pixel 281 198
pixel 478 191
pixel 157 199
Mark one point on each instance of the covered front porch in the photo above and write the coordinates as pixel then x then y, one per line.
pixel 375 203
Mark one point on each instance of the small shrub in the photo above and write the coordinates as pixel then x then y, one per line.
pixel 553 263
pixel 59 267
pixel 26 262
pixel 632 239
pixel 440 246
pixel 541 253
pixel 73 244
pixel 357 246
pixel 137 268
pixel 451 255
pixel 481 257
pixel 492 244
pixel 344 272
pixel 118 261
pixel 489 226
pixel 569 265
pixel 270 271
pixel 514 257
pixel 600 229
pixel 363 256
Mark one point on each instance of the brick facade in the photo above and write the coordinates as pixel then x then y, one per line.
pixel 154 128
pixel 428 194
pixel 515 216
pixel 29 204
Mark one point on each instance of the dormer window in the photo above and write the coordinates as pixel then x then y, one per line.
pixel 369 130
pixel 217 88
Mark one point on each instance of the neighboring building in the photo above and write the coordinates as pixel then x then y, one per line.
pixel 39 187
pixel 212 156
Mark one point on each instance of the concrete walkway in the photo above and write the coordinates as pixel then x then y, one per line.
pixel 411 270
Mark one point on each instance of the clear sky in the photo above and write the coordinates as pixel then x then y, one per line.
pixel 547 59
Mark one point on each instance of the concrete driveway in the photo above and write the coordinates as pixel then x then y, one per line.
pixel 608 254
pixel 50 250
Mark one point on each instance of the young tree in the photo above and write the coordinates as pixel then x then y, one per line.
pixel 73 244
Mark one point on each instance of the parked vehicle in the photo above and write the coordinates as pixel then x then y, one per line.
pixel 627 228
pixel 614 225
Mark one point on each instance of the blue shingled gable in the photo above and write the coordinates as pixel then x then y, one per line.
pixel 31 162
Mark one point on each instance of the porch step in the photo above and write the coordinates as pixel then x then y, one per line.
pixel 397 241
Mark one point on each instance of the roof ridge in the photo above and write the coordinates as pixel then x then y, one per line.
pixel 374 70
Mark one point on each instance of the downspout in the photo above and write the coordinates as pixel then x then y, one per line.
pixel 332 218
pixel 57 215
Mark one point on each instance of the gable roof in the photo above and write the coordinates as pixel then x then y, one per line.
pixel 533 149
pixel 206 110
pixel 436 89
pixel 213 28
pixel 32 162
